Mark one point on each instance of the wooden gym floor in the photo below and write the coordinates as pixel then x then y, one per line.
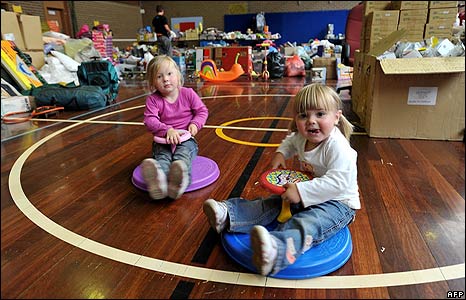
pixel 74 226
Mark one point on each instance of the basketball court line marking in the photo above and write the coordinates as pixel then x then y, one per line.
pixel 324 282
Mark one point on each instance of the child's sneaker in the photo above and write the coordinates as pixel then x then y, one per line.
pixel 177 179
pixel 155 178
pixel 264 250
pixel 216 212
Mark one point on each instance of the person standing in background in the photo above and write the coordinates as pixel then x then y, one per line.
pixel 162 31
pixel 461 14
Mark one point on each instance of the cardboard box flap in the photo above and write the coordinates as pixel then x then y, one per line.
pixel 387 42
pixel 425 65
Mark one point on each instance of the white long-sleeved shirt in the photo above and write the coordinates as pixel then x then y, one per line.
pixel 333 164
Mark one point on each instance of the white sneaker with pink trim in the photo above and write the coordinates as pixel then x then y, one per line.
pixel 264 249
pixel 155 179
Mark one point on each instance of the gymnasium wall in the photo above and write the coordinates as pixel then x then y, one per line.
pixel 125 17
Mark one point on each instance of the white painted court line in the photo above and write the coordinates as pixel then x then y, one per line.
pixel 206 274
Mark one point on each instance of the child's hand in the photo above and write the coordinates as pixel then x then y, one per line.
pixel 291 193
pixel 173 136
pixel 192 129
pixel 278 161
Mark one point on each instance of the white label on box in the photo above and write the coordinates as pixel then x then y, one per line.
pixel 422 95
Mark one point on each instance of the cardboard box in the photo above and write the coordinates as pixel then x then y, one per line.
pixel 409 5
pixel 438 30
pixel 382 17
pixel 370 6
pixel 415 98
pixel 381 23
pixel 443 15
pixel 413 16
pixel 357 104
pixel 11 30
pixel 376 32
pixel 414 31
pixel 330 63
pixel 31 31
pixel 191 34
pixel 438 4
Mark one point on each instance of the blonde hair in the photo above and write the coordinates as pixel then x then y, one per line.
pixel 154 66
pixel 319 96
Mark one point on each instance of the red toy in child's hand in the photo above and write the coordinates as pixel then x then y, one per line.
pixel 275 179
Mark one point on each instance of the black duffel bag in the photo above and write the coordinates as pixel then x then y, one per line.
pixel 84 97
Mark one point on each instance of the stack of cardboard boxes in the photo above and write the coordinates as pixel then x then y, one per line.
pixel 414 98
pixel 442 14
pixel 413 18
pixel 25 31
pixel 379 24
pixel 420 19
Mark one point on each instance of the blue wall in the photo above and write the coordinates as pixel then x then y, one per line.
pixel 297 27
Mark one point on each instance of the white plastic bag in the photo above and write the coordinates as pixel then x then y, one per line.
pixel 67 61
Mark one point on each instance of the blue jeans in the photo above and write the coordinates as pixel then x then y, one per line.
pixel 186 152
pixel 307 227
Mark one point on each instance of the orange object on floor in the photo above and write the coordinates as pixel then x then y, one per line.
pixel 210 72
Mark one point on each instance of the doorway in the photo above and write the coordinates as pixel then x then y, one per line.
pixel 57 16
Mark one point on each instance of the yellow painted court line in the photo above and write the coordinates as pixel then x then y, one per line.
pixel 206 274
pixel 88 121
pixel 141 123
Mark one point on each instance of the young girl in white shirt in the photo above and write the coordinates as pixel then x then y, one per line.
pixel 320 207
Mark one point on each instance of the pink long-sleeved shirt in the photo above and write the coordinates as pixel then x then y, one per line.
pixel 160 115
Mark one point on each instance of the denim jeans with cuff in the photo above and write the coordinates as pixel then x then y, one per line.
pixel 185 151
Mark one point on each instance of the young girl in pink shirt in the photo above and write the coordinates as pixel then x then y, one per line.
pixel 169 109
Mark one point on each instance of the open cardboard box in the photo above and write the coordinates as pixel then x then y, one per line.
pixel 413 98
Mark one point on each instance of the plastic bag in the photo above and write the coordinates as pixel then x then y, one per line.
pixel 73 46
pixel 294 66
pixel 276 64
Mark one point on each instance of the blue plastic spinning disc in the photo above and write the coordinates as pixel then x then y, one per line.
pixel 317 261
pixel 204 171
